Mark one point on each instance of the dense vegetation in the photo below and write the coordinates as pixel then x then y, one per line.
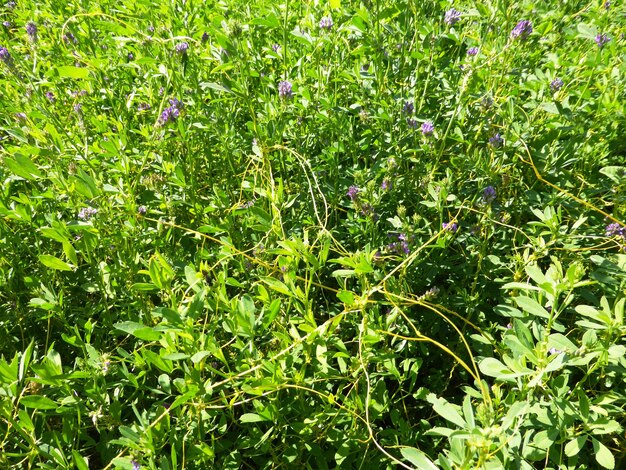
pixel 312 234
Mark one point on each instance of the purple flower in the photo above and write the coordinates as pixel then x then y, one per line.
pixel 607 5
pixel 20 117
pixel 326 23
pixel 276 48
pixel 401 246
pixel 78 108
pixel 31 30
pixel 408 107
pixel 353 193
pixel 205 37
pixel 412 123
pixel 615 230
pixel 386 185
pixel 556 84
pixel 6 24
pixel 181 48
pixel 5 55
pixel 87 213
pixel 450 226
pixel 428 128
pixel 171 113
pixel 472 51
pixel 10 5
pixel 489 195
pixel 141 210
pixel 522 30
pixel 143 107
pixel 69 37
pixel 51 97
pixel 602 39
pixel 496 141
pixel 452 17
pixel 284 89
pixel 135 464
pixel 150 29
pixel 131 56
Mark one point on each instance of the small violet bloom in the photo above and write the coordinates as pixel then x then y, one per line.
pixel 408 107
pixel 556 84
pixel 171 113
pixel 386 185
pixel 496 141
pixel 326 23
pixel 181 48
pixel 87 213
pixel 284 89
pixel 602 39
pixel 412 123
pixel 452 17
pixel 489 195
pixel 51 97
pixel 615 230
pixel 522 30
pixel 428 128
pixel 135 464
pixel 353 193
pixel 6 24
pixel 450 226
pixel 276 48
pixel 472 51
pixel 205 37
pixel 69 37
pixel 31 30
pixel 5 55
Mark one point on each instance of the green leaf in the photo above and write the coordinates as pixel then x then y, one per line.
pixel 54 263
pixel 531 306
pixel 39 402
pixel 603 455
pixel 418 458
pixel 346 297
pixel 251 418
pixel 138 330
pixel 446 410
pixel 574 446
pixel 80 461
pixel 22 166
pixel 70 71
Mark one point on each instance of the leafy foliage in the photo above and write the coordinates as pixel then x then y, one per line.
pixel 321 234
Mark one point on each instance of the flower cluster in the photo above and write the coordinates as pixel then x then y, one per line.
pixel 489 195
pixel 602 39
pixel 326 23
pixel 181 48
pixel 51 97
pixel 472 51
pixel 408 107
pixel 428 128
pixel 496 141
pixel 31 30
pixel 143 107
pixel 450 226
pixel 615 230
pixel 284 89
pixel 87 213
pixel 353 193
pixel 171 113
pixel 452 17
pixel 556 84
pixel 400 245
pixel 5 56
pixel 522 30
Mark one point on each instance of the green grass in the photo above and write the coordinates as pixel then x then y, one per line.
pixel 201 267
